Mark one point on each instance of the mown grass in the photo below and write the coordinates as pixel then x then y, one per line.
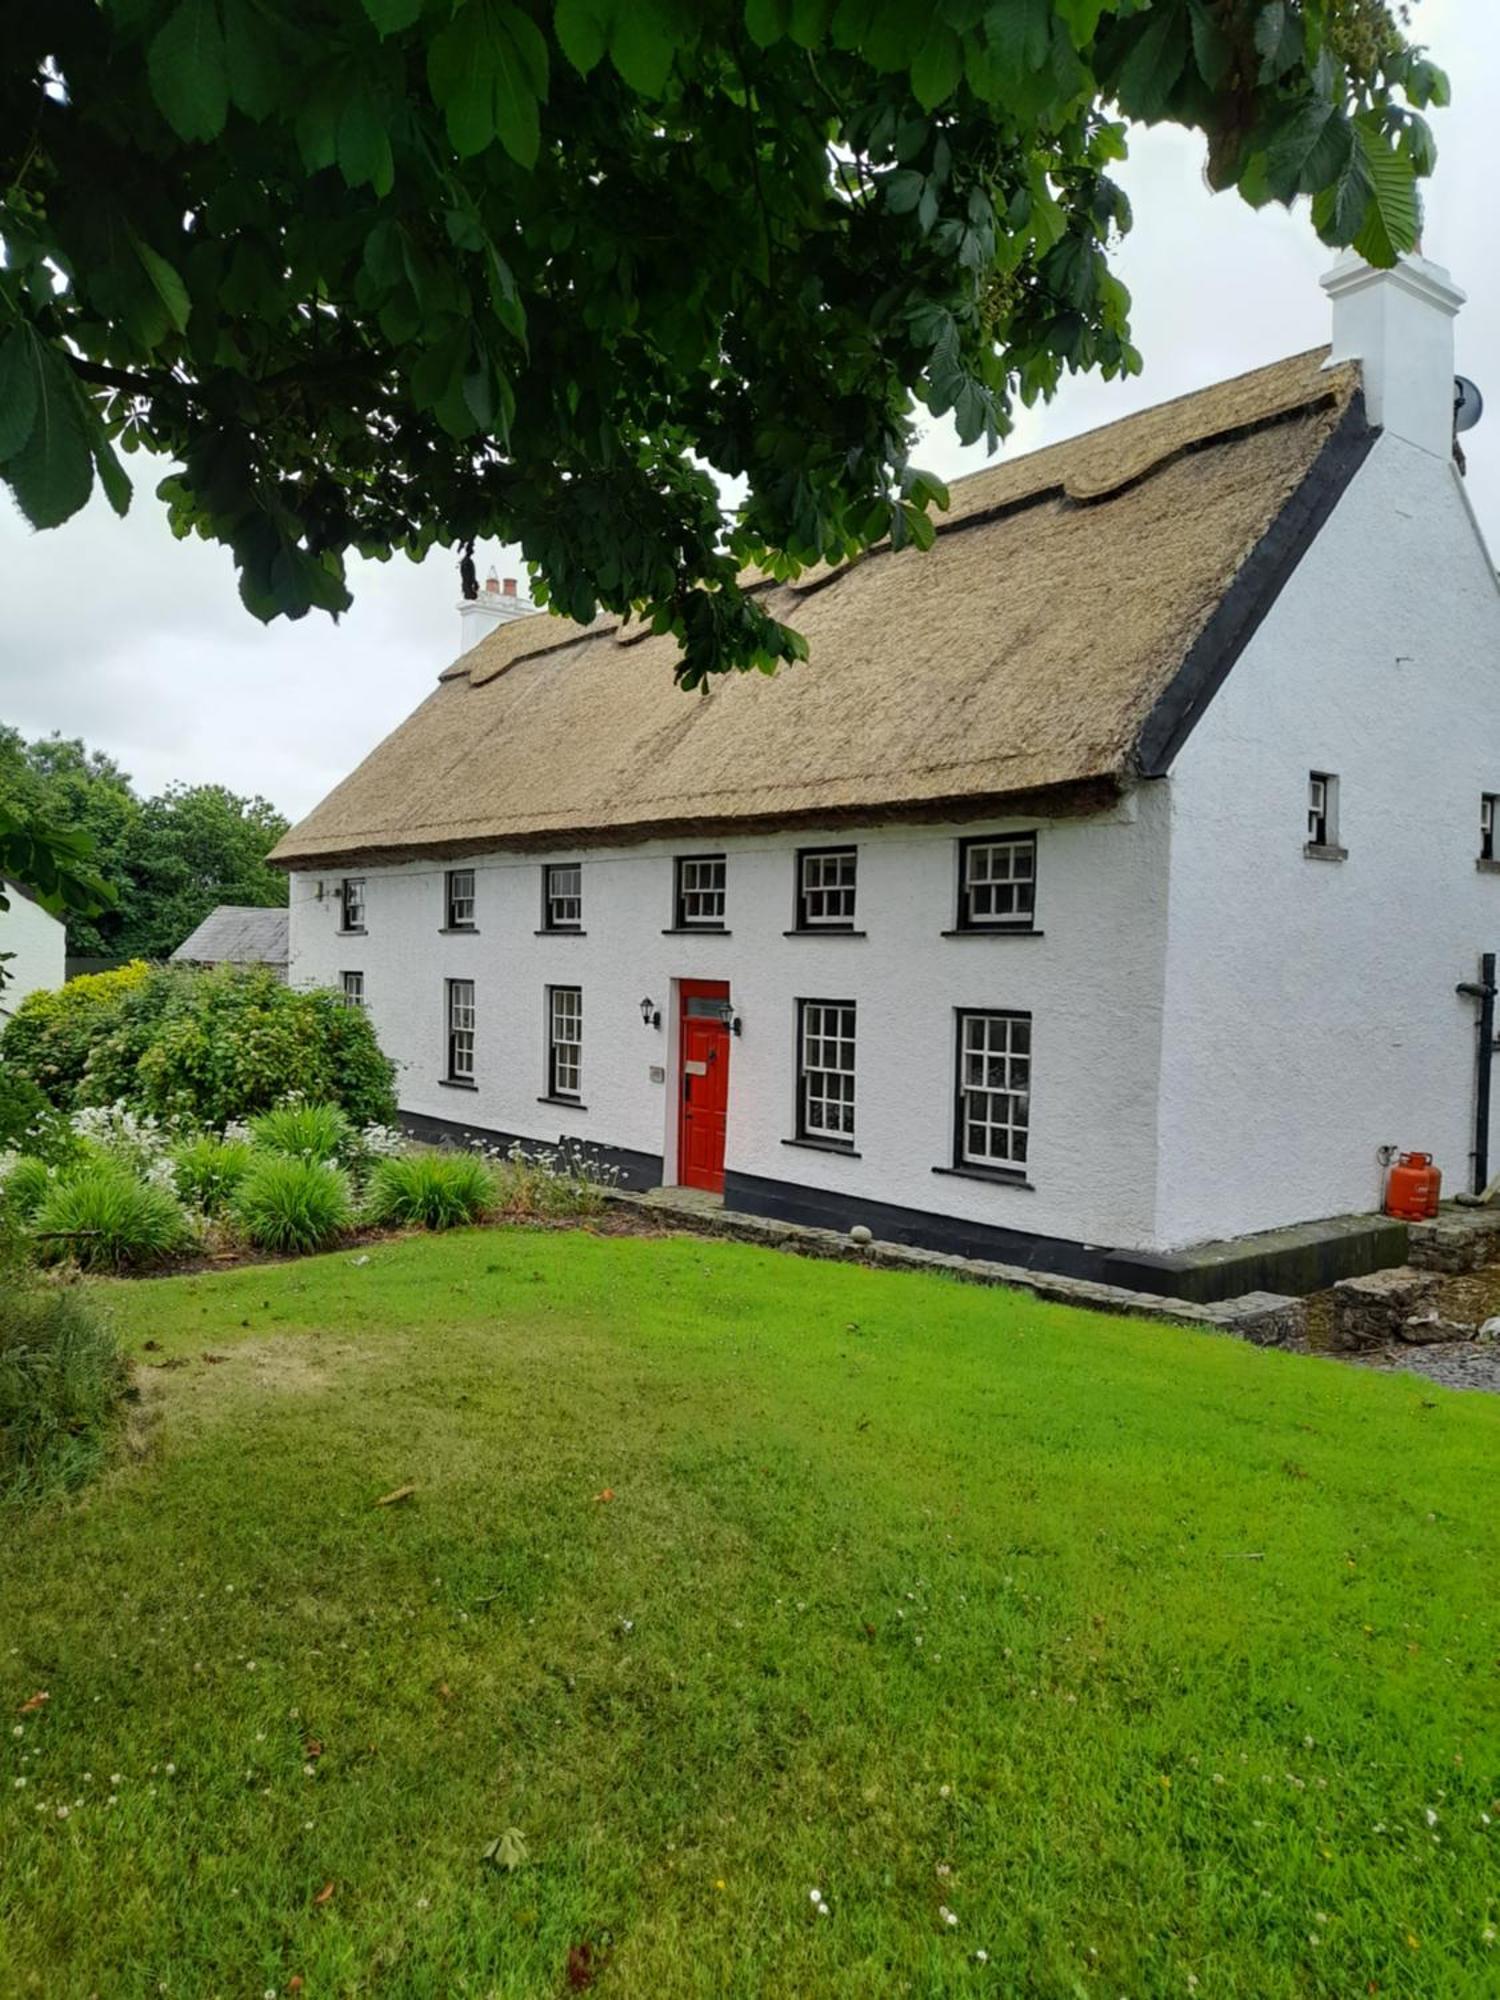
pixel 1153 1658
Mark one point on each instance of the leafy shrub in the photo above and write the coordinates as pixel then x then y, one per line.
pixel 28 1123
pixel 25 1186
pixel 207 1171
pixel 200 1048
pixel 547 1183
pixel 430 1190
pixel 63 1383
pixel 52 1034
pixel 304 1131
pixel 106 1220
pixel 290 1204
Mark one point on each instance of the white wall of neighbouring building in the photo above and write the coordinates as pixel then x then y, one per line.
pixel 1092 980
pixel 38 944
pixel 1310 1014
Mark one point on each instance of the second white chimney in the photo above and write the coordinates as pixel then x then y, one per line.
pixel 1399 325
pixel 495 605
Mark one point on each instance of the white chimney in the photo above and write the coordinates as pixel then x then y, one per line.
pixel 495 605
pixel 1399 325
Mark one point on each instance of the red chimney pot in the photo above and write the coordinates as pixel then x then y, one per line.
pixel 510 586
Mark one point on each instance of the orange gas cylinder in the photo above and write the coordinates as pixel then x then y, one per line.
pixel 1412 1188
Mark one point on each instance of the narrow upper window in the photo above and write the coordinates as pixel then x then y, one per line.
pixel 994 1090
pixel 352 898
pixel 997 883
pixel 460 1031
pixel 564 1041
pixel 458 899
pixel 825 1071
pixel 1323 815
pixel 352 985
pixel 825 888
pixel 562 896
pixel 1487 804
pixel 700 892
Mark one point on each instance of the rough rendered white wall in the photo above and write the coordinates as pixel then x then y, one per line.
pixel 1092 981
pixel 1310 1007
pixel 39 944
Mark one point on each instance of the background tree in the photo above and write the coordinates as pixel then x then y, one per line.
pixel 379 274
pixel 164 862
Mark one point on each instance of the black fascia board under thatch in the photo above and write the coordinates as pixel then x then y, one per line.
pixel 1259 582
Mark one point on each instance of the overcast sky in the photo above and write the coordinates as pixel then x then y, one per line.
pixel 115 632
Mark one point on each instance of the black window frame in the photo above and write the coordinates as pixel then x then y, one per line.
pixel 346 883
pixel 1323 820
pixel 680 919
pixel 556 1091
pixel 807 1133
pixel 451 1032
pixel 1008 1169
pixel 813 926
pixel 451 900
pixel 1489 825
pixel 964 919
pixel 549 869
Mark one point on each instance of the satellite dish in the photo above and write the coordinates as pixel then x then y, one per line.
pixel 1468 404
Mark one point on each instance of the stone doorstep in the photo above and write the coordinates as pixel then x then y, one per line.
pixel 1269 1319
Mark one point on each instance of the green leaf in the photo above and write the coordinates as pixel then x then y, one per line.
pixel 1150 72
pixel 112 476
pixel 166 282
pixel 18 390
pixel 1278 39
pixel 252 59
pixel 1338 211
pixel 52 474
pixel 391 16
pixel 1213 52
pixel 582 30
pixel 766 21
pixel 938 66
pixel 189 70
pixel 1392 216
pixel 487 69
pixel 364 146
pixel 1020 33
pixel 1080 18
pixel 642 46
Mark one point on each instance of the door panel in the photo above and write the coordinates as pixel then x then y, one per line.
pixel 703 1086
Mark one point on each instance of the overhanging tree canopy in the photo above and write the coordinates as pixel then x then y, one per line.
pixel 384 274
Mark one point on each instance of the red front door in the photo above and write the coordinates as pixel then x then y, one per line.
pixel 704 1085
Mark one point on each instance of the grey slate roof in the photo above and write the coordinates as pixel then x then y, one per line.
pixel 235 935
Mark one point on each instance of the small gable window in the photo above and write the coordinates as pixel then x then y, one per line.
pixel 458 899
pixel 352 901
pixel 562 896
pixel 699 899
pixel 825 888
pixel 1323 817
pixel 997 883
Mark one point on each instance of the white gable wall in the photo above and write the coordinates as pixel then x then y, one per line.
pixel 1092 982
pixel 1310 1008
pixel 39 944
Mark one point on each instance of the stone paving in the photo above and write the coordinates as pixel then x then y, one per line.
pixel 1458 1364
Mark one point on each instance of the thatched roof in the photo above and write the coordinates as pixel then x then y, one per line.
pixel 237 934
pixel 1078 602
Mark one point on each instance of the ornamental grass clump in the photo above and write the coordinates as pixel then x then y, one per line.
pixel 63 1384
pixel 289 1204
pixel 430 1190
pixel 313 1132
pixel 103 1219
pixel 24 1187
pixel 207 1171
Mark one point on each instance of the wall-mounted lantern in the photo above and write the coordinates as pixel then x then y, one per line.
pixel 729 1016
pixel 650 1014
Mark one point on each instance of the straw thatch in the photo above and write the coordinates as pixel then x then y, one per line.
pixel 1018 660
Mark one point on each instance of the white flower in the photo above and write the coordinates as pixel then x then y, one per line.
pixel 823 1910
pixel 309 1770
pixel 18 1729
pixel 981 1957
pixel 19 1783
pixel 62 1812
pixel 948 1916
pixel 815 1895
pixel 171 1770
pixel 1431 1816
pixel 116 1779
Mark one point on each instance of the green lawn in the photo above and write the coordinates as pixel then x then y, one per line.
pixel 1164 1664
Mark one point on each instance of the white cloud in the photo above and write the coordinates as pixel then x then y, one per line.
pixel 115 632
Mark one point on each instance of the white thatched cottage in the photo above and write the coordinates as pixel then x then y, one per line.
pixel 1100 888
pixel 33 948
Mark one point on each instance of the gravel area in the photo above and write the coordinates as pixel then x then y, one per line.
pixel 1457 1364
